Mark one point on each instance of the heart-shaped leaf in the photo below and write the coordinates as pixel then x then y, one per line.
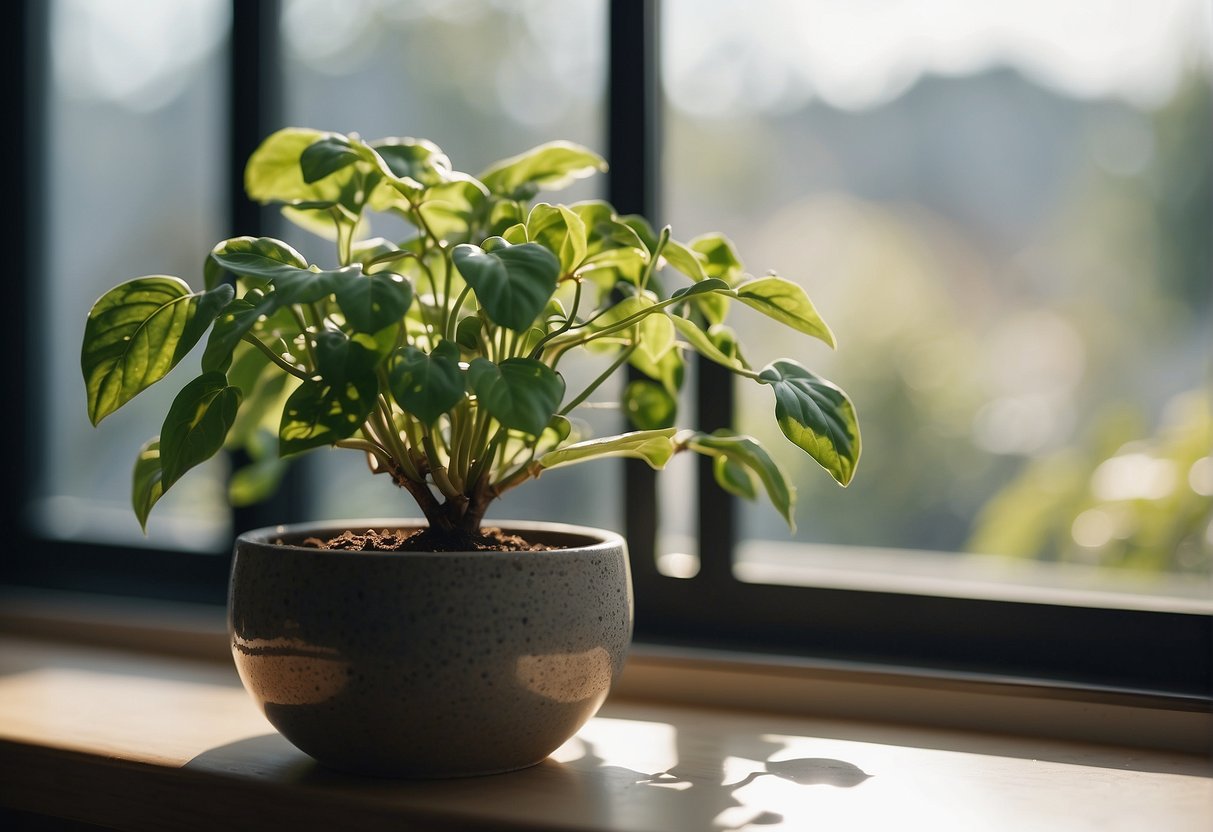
pixel 274 173
pixel 323 411
pixel 549 166
pixel 428 385
pixel 137 332
pixel 417 159
pixel 512 283
pixel 816 415
pixel 376 301
pixel 258 259
pixel 326 156
pixel 520 393
pixel 196 425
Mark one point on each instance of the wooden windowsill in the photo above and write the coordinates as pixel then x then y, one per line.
pixel 134 740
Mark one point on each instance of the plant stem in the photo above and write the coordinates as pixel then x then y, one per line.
pixel 277 359
pixel 624 355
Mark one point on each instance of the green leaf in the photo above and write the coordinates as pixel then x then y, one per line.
pixel 326 156
pixel 560 231
pixel 718 256
pixel 549 166
pixel 137 332
pixel 745 451
pixel 196 425
pixel 417 159
pixel 450 209
pixel 816 415
pixel 376 301
pixel 786 302
pixel 512 283
pixel 259 259
pixel 428 385
pixel 146 486
pixel 653 446
pixel 467 333
pixel 274 172
pixel 649 405
pixel 704 345
pixel 683 259
pixel 322 412
pixel 711 285
pixel 520 393
pixel 734 478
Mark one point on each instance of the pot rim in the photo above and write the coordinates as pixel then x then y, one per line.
pixel 600 539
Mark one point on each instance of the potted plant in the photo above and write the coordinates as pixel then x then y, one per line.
pixel 443 648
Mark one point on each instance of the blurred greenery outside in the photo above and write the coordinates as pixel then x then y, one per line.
pixel 1019 278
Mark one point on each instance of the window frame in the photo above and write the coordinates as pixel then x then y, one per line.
pixel 1162 652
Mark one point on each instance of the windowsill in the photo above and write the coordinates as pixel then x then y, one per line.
pixel 141 739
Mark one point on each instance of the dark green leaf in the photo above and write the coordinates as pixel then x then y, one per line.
pixel 816 415
pixel 146 487
pixel 416 159
pixel 649 405
pixel 329 155
pixel 549 166
pixel 322 412
pixel 467 333
pixel 196 425
pixel 258 259
pixel 512 283
pixel 520 393
pixel 374 302
pixel 786 302
pixel 428 385
pixel 137 332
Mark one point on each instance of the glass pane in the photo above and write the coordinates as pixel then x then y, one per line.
pixel 133 187
pixel 484 80
pixel 1003 212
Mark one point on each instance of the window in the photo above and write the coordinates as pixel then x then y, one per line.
pixel 1005 222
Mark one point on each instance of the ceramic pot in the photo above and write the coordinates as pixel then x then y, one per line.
pixel 426 664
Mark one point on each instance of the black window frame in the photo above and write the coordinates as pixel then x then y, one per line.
pixel 1162 652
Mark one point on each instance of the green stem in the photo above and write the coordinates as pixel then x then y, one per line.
pixel 452 323
pixel 596 383
pixel 277 359
pixel 568 323
pixel 437 469
pixel 662 240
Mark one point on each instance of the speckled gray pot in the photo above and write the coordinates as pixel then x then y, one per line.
pixel 429 664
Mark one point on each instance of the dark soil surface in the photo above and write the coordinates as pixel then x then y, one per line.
pixel 427 540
